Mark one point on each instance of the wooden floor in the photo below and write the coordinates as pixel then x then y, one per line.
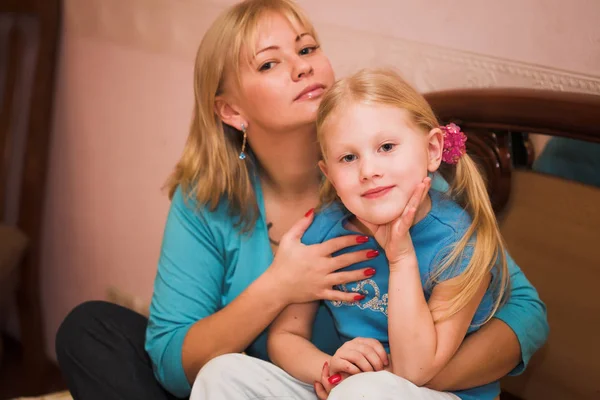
pixel 15 381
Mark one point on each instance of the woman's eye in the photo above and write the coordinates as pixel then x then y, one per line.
pixel 387 147
pixel 348 158
pixel 267 66
pixel 308 50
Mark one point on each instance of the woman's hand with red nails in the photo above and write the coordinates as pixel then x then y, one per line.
pixel 327 383
pixel 304 273
pixel 355 356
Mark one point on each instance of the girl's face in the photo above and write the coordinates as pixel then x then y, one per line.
pixel 375 157
pixel 282 85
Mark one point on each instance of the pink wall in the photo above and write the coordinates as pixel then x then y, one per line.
pixel 120 123
pixel 124 99
pixel 546 32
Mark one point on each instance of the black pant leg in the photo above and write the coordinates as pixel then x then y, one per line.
pixel 100 351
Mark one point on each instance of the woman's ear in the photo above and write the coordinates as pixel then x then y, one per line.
pixel 435 147
pixel 228 113
pixel 323 167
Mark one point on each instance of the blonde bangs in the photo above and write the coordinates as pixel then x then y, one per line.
pixel 250 14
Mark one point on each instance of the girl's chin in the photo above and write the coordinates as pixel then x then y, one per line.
pixel 381 219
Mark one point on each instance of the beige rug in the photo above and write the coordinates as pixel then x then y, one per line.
pixel 52 396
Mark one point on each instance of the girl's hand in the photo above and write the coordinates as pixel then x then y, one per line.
pixel 308 273
pixel 358 355
pixel 394 237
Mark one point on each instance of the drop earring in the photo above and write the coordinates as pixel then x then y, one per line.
pixel 242 154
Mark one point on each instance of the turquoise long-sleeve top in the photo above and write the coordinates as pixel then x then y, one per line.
pixel 205 263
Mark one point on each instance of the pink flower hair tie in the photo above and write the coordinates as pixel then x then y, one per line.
pixel 454 143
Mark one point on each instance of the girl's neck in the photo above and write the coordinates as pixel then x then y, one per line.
pixel 289 163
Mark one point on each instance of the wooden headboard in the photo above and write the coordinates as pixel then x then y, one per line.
pixel 29 38
pixel 493 118
pixel 551 224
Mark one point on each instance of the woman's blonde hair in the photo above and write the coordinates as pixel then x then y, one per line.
pixel 209 169
pixel 467 187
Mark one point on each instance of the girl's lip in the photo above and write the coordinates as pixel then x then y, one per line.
pixel 377 192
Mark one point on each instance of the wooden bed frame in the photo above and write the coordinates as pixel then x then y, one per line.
pixel 29 39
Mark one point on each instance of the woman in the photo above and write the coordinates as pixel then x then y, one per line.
pixel 240 194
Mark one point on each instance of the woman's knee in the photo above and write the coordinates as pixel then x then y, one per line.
pixel 93 321
pixel 75 324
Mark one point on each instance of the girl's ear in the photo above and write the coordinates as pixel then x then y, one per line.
pixel 435 147
pixel 229 113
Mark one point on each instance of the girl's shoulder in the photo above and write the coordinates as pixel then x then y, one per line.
pixel 326 222
pixel 448 213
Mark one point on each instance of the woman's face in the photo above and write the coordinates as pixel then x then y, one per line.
pixel 282 85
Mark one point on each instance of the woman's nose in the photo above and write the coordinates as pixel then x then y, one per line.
pixel 302 68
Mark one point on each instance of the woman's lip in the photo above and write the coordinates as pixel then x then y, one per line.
pixel 312 92
pixel 377 192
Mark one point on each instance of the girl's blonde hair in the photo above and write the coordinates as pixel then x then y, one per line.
pixel 209 169
pixel 467 187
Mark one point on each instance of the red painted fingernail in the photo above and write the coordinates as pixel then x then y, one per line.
pixel 362 239
pixel 370 271
pixel 333 379
pixel 309 212
pixel 372 253
pixel 359 297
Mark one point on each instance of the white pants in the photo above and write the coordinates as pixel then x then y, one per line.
pixel 240 377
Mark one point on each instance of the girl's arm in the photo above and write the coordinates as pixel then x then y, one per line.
pixel 485 356
pixel 420 348
pixel 502 346
pixel 289 344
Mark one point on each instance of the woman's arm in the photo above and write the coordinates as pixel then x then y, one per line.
pixel 420 347
pixel 233 328
pixel 502 346
pixel 188 326
pixel 289 343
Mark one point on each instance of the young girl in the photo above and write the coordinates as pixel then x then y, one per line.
pixel 440 265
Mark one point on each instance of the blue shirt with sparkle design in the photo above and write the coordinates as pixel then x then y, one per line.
pixel 434 237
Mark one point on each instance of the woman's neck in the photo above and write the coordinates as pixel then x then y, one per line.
pixel 289 163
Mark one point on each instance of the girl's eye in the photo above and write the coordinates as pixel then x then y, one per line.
pixel 348 158
pixel 308 50
pixel 387 147
pixel 267 66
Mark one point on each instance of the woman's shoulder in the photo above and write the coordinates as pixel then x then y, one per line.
pixel 185 206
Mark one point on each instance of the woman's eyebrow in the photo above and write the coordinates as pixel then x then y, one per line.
pixel 275 47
